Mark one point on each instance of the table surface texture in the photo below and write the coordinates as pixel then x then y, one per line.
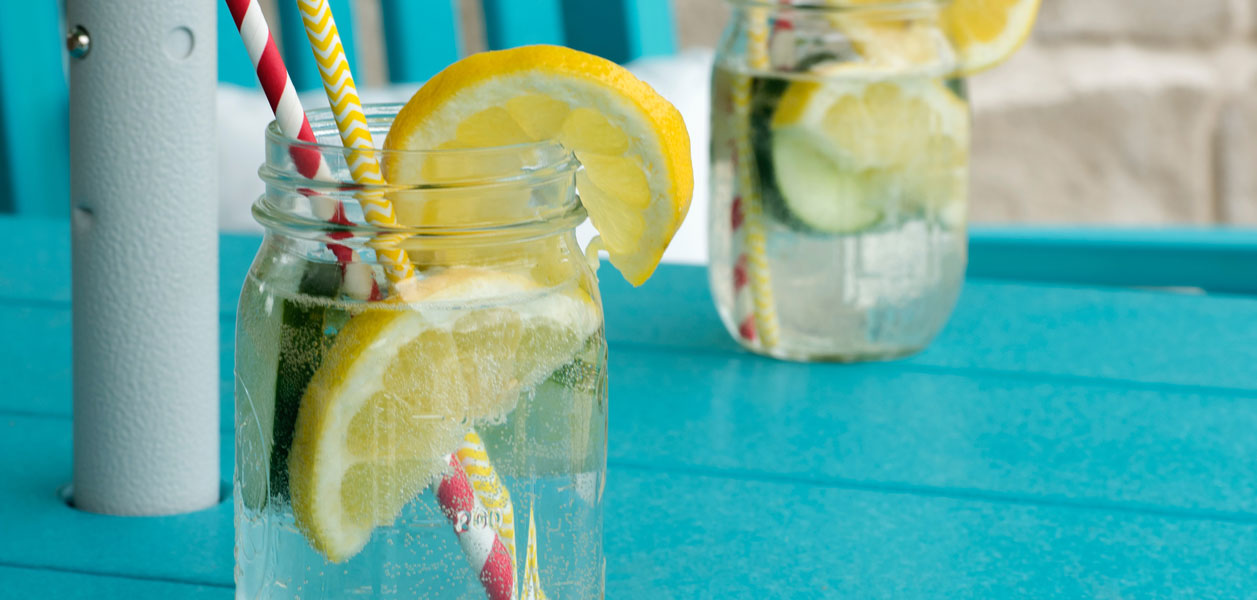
pixel 1056 441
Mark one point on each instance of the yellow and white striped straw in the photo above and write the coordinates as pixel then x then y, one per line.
pixel 532 575
pixel 342 94
pixel 764 307
pixel 474 458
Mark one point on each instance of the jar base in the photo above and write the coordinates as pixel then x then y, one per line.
pixel 789 353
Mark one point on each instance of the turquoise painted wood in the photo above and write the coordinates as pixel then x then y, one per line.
pixel 193 548
pixel 1056 441
pixel 653 27
pixel 34 132
pixel 20 582
pixel 1143 337
pixel 1214 259
pixel 967 433
pixel 421 38
pixel 295 45
pixel 510 23
pixel 672 532
pixel 1183 340
pixel 620 30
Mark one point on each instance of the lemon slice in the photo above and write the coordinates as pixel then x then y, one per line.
pixel 983 33
pixel 636 178
pixel 852 146
pixel 400 386
pixel 986 32
pixel 891 40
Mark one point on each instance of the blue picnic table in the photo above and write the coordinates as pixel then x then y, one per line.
pixel 1058 440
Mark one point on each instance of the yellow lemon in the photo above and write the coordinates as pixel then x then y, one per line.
pixel 986 32
pixel 636 178
pixel 401 385
pixel 983 33
pixel 852 145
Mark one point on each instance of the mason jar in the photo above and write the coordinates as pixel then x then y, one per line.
pixel 438 436
pixel 839 179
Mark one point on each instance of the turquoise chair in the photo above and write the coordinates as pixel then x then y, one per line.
pixel 33 138
pixel 421 37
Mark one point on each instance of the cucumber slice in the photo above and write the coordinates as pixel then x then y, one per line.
pixel 817 190
pixel 801 186
pixel 845 149
pixel 301 348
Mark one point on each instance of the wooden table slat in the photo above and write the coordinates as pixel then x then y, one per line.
pixel 683 535
pixel 20 583
pixel 1140 336
pixel 1055 441
pixel 864 424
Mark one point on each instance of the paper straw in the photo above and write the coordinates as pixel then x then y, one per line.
pixel 474 459
pixel 485 552
pixel 532 576
pixel 342 94
pixel 291 117
pixel 483 546
pixel 747 212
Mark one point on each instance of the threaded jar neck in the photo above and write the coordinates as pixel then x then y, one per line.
pixel 526 190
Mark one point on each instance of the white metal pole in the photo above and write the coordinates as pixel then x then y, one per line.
pixel 145 249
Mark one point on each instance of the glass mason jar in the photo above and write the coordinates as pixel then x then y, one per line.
pixel 839 180
pixel 438 437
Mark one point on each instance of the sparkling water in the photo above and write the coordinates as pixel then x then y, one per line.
pixel 549 452
pixel 881 290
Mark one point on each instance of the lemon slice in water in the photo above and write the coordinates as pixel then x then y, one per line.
pixel 853 145
pixel 400 386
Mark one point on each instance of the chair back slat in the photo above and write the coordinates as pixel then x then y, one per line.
pixel 421 37
pixel 34 109
pixel 413 56
pixel 620 30
pixel 652 28
pixel 295 45
pixel 510 23
pixel 1215 259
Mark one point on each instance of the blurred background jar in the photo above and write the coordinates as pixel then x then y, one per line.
pixel 839 178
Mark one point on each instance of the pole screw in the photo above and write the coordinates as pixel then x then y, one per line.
pixel 78 42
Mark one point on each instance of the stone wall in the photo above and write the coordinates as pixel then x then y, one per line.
pixel 1123 111
pixel 1117 111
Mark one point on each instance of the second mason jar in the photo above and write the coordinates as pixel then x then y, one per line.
pixel 435 436
pixel 840 155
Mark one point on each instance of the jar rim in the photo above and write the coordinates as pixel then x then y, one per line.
pixel 308 206
pixel 549 155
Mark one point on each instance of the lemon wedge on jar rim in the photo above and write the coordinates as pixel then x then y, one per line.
pixel 401 384
pixel 983 33
pixel 636 178
pixel 986 32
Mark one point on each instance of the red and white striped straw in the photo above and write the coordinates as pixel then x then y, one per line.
pixel 292 121
pixel 277 85
pixel 488 556
pixel 485 551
